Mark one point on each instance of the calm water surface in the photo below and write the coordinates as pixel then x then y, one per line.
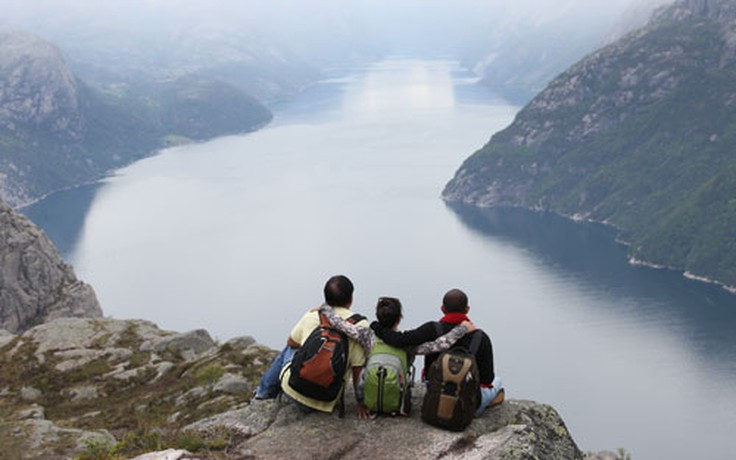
pixel 238 235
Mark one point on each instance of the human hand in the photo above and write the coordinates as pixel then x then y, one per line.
pixel 363 412
pixel 469 325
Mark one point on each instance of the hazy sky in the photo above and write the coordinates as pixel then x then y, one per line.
pixel 133 13
pixel 310 26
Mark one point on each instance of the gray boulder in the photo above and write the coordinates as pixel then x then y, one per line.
pixel 187 345
pixel 513 430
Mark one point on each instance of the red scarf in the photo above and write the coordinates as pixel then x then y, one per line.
pixel 454 318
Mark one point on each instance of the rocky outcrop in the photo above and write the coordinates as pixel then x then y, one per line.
pixel 514 430
pixel 75 387
pixel 35 284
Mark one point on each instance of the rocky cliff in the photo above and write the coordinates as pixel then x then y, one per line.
pixel 99 388
pixel 36 86
pixel 35 284
pixel 640 135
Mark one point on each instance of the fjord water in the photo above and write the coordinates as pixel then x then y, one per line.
pixel 238 235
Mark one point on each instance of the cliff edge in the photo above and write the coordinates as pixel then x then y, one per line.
pixel 102 388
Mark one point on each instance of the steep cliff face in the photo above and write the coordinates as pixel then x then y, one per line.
pixel 639 134
pixel 35 284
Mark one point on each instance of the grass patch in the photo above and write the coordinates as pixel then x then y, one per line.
pixel 208 374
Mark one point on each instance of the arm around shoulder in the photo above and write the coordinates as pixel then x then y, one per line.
pixel 411 338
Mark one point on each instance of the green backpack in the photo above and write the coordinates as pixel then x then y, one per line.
pixel 387 380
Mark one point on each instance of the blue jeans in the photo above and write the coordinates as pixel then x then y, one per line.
pixel 487 395
pixel 270 386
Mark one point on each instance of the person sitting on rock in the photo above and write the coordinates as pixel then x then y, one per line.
pixel 389 314
pixel 338 293
pixel 455 308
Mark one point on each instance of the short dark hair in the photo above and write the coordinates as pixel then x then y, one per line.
pixel 388 311
pixel 455 301
pixel 339 291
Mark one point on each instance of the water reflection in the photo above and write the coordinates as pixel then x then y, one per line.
pixel 403 85
pixel 588 252
pixel 62 216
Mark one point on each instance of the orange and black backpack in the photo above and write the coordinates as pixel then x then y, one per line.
pixel 319 366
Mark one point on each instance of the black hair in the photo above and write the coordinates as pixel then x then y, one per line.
pixel 339 291
pixel 455 301
pixel 388 311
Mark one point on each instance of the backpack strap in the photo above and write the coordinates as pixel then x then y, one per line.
pixel 356 318
pixel 438 329
pixel 475 342
pixel 323 321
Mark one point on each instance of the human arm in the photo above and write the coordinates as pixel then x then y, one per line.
pixel 411 338
pixel 362 335
pixel 302 329
pixel 363 412
pixel 443 342
pixel 485 361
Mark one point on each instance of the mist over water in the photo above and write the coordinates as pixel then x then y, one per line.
pixel 238 236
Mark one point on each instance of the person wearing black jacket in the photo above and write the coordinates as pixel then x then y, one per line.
pixel 455 308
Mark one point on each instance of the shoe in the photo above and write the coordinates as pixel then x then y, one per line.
pixel 499 398
pixel 257 397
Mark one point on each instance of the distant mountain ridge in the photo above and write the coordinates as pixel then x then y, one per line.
pixel 640 135
pixel 57 131
pixel 526 53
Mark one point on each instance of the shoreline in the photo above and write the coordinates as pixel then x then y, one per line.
pixel 578 218
pixel 644 263
pixel 98 179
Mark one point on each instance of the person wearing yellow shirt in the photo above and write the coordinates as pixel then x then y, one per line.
pixel 338 293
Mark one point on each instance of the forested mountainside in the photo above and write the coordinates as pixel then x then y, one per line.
pixel 57 131
pixel 640 135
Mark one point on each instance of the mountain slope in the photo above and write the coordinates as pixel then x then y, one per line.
pixel 518 55
pixel 639 134
pixel 56 131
